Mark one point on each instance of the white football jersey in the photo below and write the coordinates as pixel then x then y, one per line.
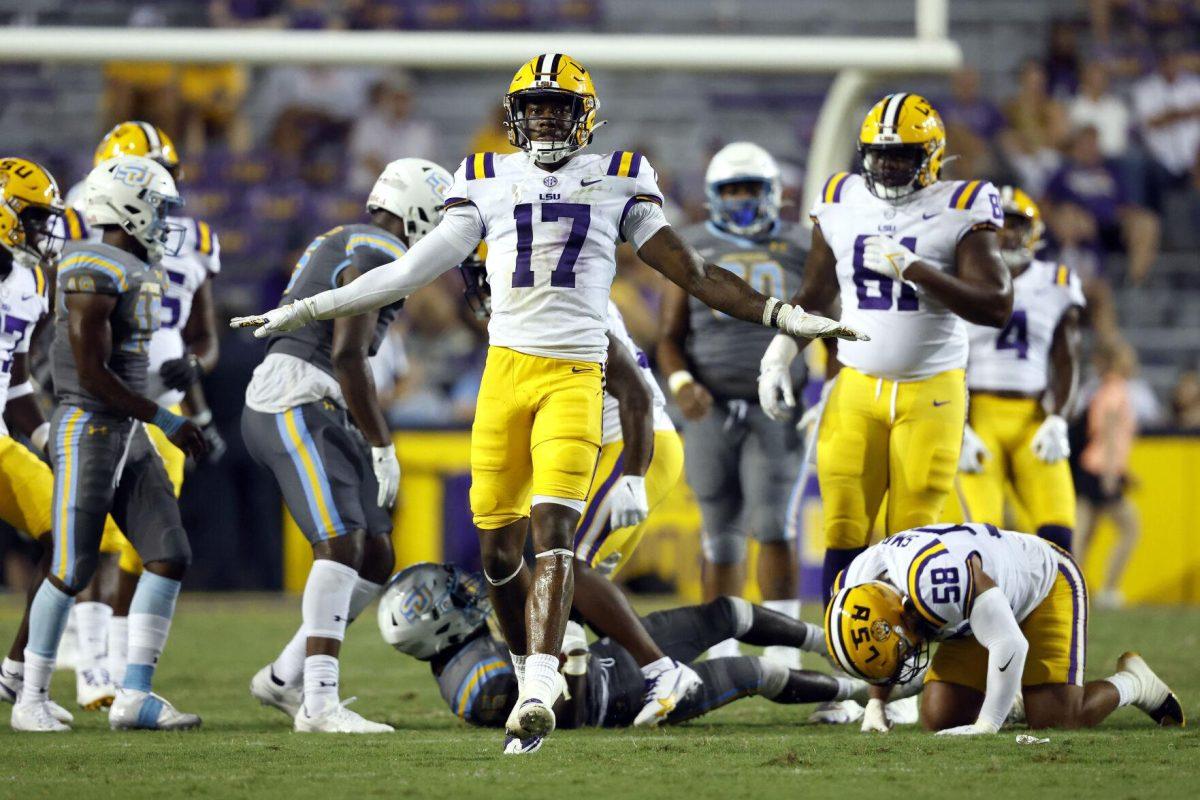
pixel 23 301
pixel 198 259
pixel 913 336
pixel 551 244
pixel 612 409
pixel 929 566
pixel 1017 356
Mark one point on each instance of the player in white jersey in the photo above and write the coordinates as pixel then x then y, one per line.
pixel 1010 613
pixel 181 351
pixel 910 257
pixel 1022 381
pixel 551 220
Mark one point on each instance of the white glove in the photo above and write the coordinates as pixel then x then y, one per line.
pixel 574 639
pixel 974 452
pixel 40 436
pixel 628 503
pixel 278 320
pixel 775 393
pixel 798 322
pixel 887 256
pixel 875 717
pixel 1050 442
pixel 975 729
pixel 387 474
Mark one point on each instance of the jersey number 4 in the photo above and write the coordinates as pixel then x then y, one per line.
pixel 1015 335
pixel 563 276
pixel 874 289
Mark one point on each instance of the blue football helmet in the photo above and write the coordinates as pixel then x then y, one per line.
pixel 744 162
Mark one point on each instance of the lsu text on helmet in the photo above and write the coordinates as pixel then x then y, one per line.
pixel 744 162
pixel 30 204
pixel 551 107
pixel 901 146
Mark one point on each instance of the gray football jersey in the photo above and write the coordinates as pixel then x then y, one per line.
pixel 478 682
pixel 97 268
pixel 724 352
pixel 362 246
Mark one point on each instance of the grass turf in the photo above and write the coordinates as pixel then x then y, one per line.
pixel 749 749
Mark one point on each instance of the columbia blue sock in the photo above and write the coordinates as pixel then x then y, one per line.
pixel 150 616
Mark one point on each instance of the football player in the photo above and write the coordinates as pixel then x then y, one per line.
pixel 741 464
pixel 1010 614
pixel 910 257
pixel 182 350
pixel 107 307
pixel 337 470
pixel 438 613
pixel 1022 380
pixel 551 218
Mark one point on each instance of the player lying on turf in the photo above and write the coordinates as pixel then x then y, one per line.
pixel 438 613
pixel 1010 613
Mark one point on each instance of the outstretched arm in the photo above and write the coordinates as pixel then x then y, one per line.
pixel 446 246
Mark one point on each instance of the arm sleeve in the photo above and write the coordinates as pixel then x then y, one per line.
pixel 996 628
pixel 643 220
pixel 454 238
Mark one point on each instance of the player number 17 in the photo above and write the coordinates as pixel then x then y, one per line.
pixel 563 276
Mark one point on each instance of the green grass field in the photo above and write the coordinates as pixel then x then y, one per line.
pixel 752 749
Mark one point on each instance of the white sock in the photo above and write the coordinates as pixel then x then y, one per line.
pixel 785 656
pixel 541 677
pixel 814 642
pixel 519 669
pixel 848 687
pixel 654 667
pixel 325 607
pixel 363 595
pixel 91 621
pixel 726 649
pixel 1127 688
pixel 38 671
pixel 288 668
pixel 320 684
pixel 118 648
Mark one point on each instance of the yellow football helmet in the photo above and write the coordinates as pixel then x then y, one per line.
pixel 1023 227
pixel 134 138
pixel 867 636
pixel 901 145
pixel 29 205
pixel 551 78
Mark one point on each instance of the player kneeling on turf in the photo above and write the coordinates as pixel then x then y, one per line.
pixel 1019 626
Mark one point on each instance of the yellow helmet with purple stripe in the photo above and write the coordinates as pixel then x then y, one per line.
pixel 867 636
pixel 901 144
pixel 551 79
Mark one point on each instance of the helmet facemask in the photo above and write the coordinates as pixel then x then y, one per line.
pixel 43 236
pixel 737 212
pixel 895 171
pixel 1016 241
pixel 550 124
pixel 159 235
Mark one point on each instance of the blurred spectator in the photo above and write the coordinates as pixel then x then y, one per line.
pixel 142 89
pixel 247 13
pixel 1090 213
pixel 972 123
pixel 1097 106
pixel 1185 402
pixel 1102 472
pixel 311 109
pixel 388 131
pixel 1062 59
pixel 1166 105
pixel 1037 126
pixel 492 136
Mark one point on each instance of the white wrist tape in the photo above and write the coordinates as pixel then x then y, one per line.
pixel 678 380
pixel 20 390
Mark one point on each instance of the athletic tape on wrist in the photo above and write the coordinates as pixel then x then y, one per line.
pixel 769 312
pixel 20 390
pixel 678 380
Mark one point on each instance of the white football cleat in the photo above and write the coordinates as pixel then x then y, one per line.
pixel 535 718
pixel 94 689
pixel 265 687
pixel 1154 696
pixel 664 691
pixel 10 686
pixel 36 718
pixel 903 712
pixel 516 746
pixel 338 719
pixel 134 710
pixel 837 712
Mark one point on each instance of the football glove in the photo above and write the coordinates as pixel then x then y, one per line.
pixel 875 717
pixel 387 474
pixel 974 452
pixel 278 320
pixel 798 322
pixel 775 393
pixel 887 256
pixel 216 443
pixel 1050 442
pixel 627 502
pixel 180 373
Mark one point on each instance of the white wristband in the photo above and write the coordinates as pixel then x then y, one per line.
pixel 678 380
pixel 40 436
pixel 20 390
pixel 576 664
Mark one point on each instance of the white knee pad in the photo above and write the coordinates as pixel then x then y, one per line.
pixel 325 607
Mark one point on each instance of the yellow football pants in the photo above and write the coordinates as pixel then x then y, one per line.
pixel 880 437
pixel 174 460
pixel 1044 492
pixel 536 433
pixel 596 542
